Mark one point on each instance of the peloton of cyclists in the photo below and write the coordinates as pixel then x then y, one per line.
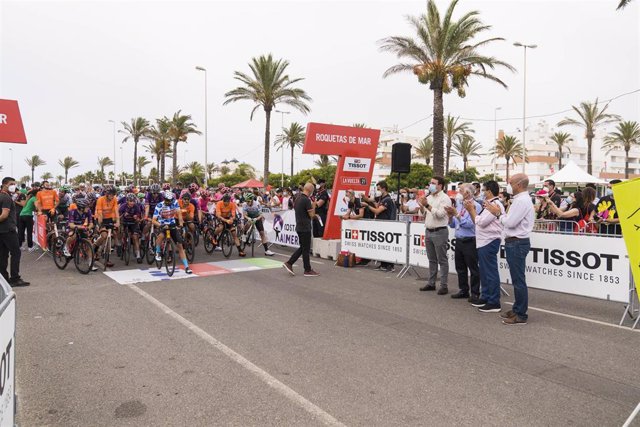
pixel 165 216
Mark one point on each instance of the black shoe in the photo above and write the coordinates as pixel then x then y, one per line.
pixel 18 282
pixel 389 269
pixel 119 250
pixel 473 298
pixel 443 290
pixel 379 268
pixel 428 288
pixel 139 260
pixel 508 315
pixel 460 295
pixel 478 302
pixel 490 308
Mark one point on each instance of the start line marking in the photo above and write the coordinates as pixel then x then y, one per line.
pixel 153 274
pixel 263 375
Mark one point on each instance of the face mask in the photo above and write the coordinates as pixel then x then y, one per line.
pixel 501 200
pixel 412 196
pixel 609 192
pixel 432 188
pixel 546 189
pixel 509 189
pixel 569 200
pixel 12 188
pixel 378 193
pixel 459 197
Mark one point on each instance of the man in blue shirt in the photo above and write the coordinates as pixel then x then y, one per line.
pixel 466 254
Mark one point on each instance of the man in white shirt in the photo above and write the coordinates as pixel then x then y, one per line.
pixel 436 222
pixel 518 224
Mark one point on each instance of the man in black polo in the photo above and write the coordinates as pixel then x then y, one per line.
pixel 322 206
pixel 385 210
pixel 305 211
pixel 9 244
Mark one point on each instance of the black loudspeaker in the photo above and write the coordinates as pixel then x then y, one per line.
pixel 401 157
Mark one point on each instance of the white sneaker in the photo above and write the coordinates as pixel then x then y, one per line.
pixel 22 248
pixel 218 249
pixel 33 249
pixel 158 257
pixel 269 253
pixel 66 252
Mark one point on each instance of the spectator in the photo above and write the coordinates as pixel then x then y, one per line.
pixel 411 206
pixel 276 201
pixel 305 211
pixel 478 196
pixel 466 254
pixel 355 210
pixel 488 238
pixel 606 213
pixel 436 234
pixel 25 221
pixel 550 188
pixel 581 209
pixel 505 199
pixel 322 203
pixel 541 206
pixel 385 210
pixel 518 224
pixel 9 242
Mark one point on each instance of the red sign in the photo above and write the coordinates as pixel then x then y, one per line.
pixel 41 227
pixel 356 149
pixel 11 129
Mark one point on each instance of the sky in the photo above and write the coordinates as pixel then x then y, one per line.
pixel 73 66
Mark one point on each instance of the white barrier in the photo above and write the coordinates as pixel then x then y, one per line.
pixel 7 359
pixel 377 240
pixel 280 228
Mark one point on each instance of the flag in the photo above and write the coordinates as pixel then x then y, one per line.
pixel 625 195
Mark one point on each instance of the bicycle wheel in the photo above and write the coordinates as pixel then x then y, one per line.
pixel 226 243
pixel 126 249
pixel 189 246
pixel 83 256
pixel 252 239
pixel 196 236
pixel 57 250
pixel 209 237
pixel 169 257
pixel 106 252
pixel 151 249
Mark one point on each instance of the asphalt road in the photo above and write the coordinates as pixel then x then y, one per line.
pixel 352 347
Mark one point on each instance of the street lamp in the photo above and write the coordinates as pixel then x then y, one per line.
pixel 282 113
pixel 114 151
pixel 495 136
pixel 524 100
pixel 11 151
pixel 124 178
pixel 205 120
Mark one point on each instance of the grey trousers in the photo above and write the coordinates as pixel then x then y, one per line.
pixel 436 243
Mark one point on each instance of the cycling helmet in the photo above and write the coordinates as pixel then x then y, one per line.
pixel 109 189
pixel 64 188
pixel 168 195
pixel 131 197
pixel 130 188
pixel 82 203
pixel 140 195
pixel 155 188
pixel 248 197
pixel 166 186
pixel 193 187
pixel 78 196
pixel 205 193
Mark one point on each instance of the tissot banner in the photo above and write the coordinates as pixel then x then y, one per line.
pixel 375 240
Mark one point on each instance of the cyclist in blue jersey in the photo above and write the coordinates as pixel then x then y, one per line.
pixel 165 216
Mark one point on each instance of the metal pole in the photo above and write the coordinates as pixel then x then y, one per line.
pixel 206 120
pixel 282 113
pixel 115 172
pixel 495 136
pixel 524 112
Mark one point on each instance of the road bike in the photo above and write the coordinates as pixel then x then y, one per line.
pixel 104 251
pixel 248 237
pixel 81 252
pixel 167 253
pixel 188 243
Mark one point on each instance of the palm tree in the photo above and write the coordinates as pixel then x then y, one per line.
pixel 211 169
pixel 141 163
pixel 425 149
pixel 443 56
pixel 46 176
pixel 626 135
pixel 103 162
pixel 66 164
pixel 292 138
pixel 138 128
pixel 161 148
pixel 246 170
pixel 590 117
pixel 561 139
pixel 33 162
pixel 269 86
pixel 359 125
pixel 25 179
pixel 180 127
pixel 623 4
pixel 508 147
pixel 59 178
pixel 224 170
pixel 465 148
pixel 454 131
pixel 324 161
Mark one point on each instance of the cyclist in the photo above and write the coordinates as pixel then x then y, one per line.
pixel 65 201
pixel 165 215
pixel 131 214
pixel 47 201
pixel 80 221
pixel 226 212
pixel 108 216
pixel 153 197
pixel 187 210
pixel 253 212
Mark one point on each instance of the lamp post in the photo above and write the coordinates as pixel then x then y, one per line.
pixel 11 151
pixel 524 100
pixel 282 113
pixel 124 178
pixel 114 151
pixel 495 136
pixel 205 120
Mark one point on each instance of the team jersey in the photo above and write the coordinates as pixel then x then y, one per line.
pixel 80 218
pixel 227 210
pixel 130 214
pixel 106 208
pixel 252 210
pixel 204 204
pixel 187 210
pixel 166 214
pixel 47 199
pixel 152 200
pixel 65 200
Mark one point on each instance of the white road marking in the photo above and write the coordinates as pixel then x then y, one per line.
pixel 584 319
pixel 263 375
pixel 285 255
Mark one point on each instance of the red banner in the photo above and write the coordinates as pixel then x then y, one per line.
pixel 11 129
pixel 41 228
pixel 356 149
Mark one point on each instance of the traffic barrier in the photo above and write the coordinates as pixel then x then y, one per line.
pixel 7 359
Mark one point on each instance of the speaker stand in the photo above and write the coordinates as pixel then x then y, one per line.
pixel 399 210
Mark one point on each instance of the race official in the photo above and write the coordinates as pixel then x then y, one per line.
pixel 518 224
pixel 9 234
pixel 436 234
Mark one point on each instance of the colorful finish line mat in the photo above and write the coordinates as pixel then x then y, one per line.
pixel 153 274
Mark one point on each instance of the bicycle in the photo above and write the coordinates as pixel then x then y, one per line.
pixel 56 229
pixel 209 239
pixel 150 245
pixel 104 250
pixel 188 243
pixel 249 237
pixel 167 253
pixel 81 252
pixel 126 245
pixel 225 240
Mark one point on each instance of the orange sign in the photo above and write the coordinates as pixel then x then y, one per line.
pixel 42 231
pixel 11 129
